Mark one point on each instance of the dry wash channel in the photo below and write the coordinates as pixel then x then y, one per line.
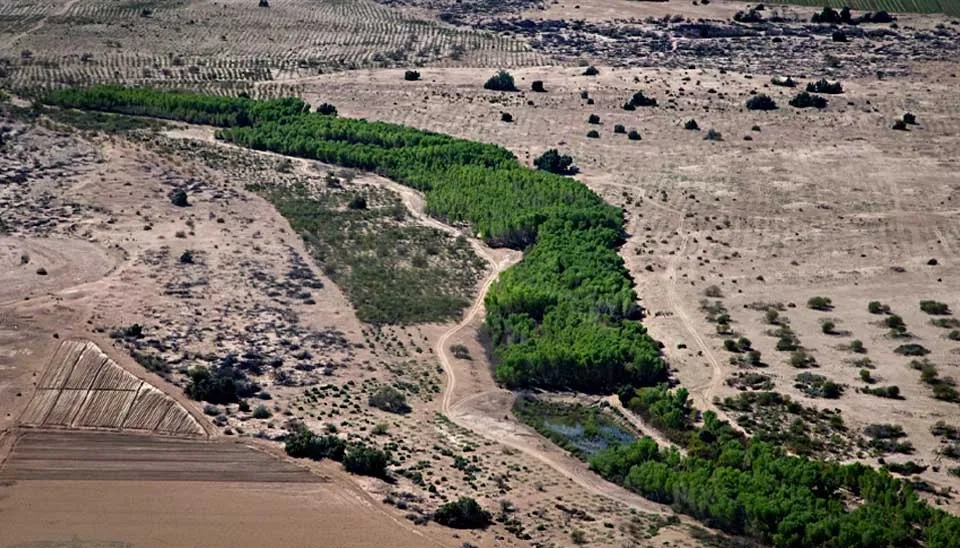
pixel 83 388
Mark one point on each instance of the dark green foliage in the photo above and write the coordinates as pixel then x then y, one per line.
pixel 152 362
pixel 366 461
pixel 537 86
pixel 389 399
pixel 506 117
pixel 839 36
pixel 911 349
pixel 619 128
pixel 133 331
pixel 97 121
pixel 593 119
pixel 261 412
pixel 935 308
pixel 186 257
pixel 818 386
pixel 465 513
pixel 554 162
pixel 828 327
pixel 896 324
pixel 761 102
pixel 326 109
pixel 639 100
pixel 593 134
pixel 670 412
pixel 175 105
pixel 806 100
pixel 954 335
pixel 876 307
pixel 179 198
pixel 908 468
pixel 501 81
pixel 302 443
pixel 946 323
pixel 909 118
pixel 357 202
pixel 823 86
pixel 219 385
pixel 943 430
pixel 820 303
pixel 411 75
pixel 891 392
pixel 754 489
pixel 866 377
pixel 564 317
pixel 691 125
pixel 634 135
pixel 591 71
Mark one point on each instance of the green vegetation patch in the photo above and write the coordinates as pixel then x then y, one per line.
pixel 566 317
pixel 393 272
pixel 949 7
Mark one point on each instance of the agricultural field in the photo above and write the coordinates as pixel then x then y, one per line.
pixel 948 7
pixel 674 247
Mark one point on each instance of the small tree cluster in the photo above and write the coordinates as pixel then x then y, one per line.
pixel 824 86
pixel 639 100
pixel 807 100
pixel 366 461
pixel 388 398
pixel 761 102
pixel 554 162
pixel 464 513
pixel 501 81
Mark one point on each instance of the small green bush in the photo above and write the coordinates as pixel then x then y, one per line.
pixel 591 71
pixel 179 198
pixel 593 119
pixel 411 75
pixel 876 307
pixel 465 513
pixel 593 134
pixel 761 102
pixel 691 125
pixel 820 303
pixel 634 135
pixel 828 327
pixel 911 349
pixel 501 81
pixel 936 308
pixel 261 412
pixel 366 461
pixel 619 128
pixel 554 162
pixel 856 345
pixel 389 399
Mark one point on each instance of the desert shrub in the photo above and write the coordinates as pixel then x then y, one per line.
pixel 713 291
pixel 908 468
pixel 591 71
pixel 856 346
pixel 639 100
pixel 464 513
pixel 634 135
pixel 839 36
pixel 876 307
pixel 619 128
pixel 554 162
pixel 460 352
pixel 911 349
pixel 820 303
pixel 593 119
pixel 954 335
pixel 896 324
pixel 152 362
pixel 380 429
pixel 823 86
pixel 748 16
pixel 506 117
pixel 218 385
pixel 884 431
pixel 890 392
pixel 326 109
pixel 578 537
pixel 691 125
pixel 261 412
pixel 501 81
pixel 943 430
pixel 807 100
pixel 945 323
pixel 179 198
pixel 761 101
pixel 302 443
pixel 899 125
pixel 593 134
pixel 786 82
pixel 818 386
pixel 935 308
pixel 909 118
pixel 713 135
pixel 801 360
pixel 133 331
pixel 388 398
pixel 537 86
pixel 866 377
pixel 411 75
pixel 828 327
pixel 772 316
pixel 357 202
pixel 366 461
pixel 186 257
